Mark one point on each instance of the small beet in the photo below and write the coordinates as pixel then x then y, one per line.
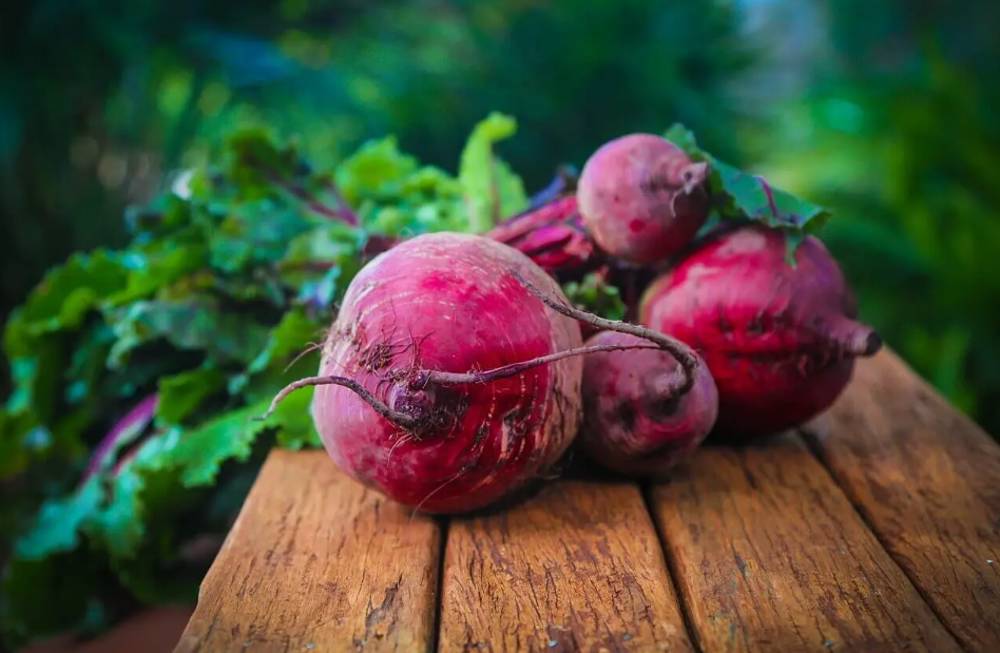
pixel 634 420
pixel 780 341
pixel 642 198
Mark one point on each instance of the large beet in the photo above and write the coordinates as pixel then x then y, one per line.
pixel 448 303
pixel 780 341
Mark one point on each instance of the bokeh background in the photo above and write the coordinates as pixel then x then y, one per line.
pixel 886 112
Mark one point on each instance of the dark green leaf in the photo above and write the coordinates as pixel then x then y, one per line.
pixel 198 453
pixel 63 298
pixel 377 169
pixel 194 324
pixel 293 419
pixel 59 521
pixel 255 233
pixel 740 195
pixel 181 394
pixel 593 294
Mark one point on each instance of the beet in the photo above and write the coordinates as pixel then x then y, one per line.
pixel 780 341
pixel 634 422
pixel 447 303
pixel 642 198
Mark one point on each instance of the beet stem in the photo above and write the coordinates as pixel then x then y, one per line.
pixel 401 420
pixel 513 369
pixel 688 361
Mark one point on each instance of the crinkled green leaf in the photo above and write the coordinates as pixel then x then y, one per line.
pixel 377 169
pixel 181 394
pixel 197 323
pixel 33 428
pixel 161 264
pixel 120 523
pixel 63 299
pixel 59 521
pixel 87 364
pixel 293 419
pixel 295 335
pixel 310 256
pixel 164 216
pixel 255 160
pixel 36 376
pixel 201 451
pixel 592 294
pixel 120 520
pixel 492 190
pixel 397 197
pixel 255 233
pixel 291 337
pixel 743 196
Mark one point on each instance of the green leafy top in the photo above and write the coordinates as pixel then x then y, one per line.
pixel 740 195
pixel 213 306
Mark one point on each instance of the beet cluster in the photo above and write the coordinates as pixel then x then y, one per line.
pixel 455 374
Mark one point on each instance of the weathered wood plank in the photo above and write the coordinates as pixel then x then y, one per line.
pixel 769 555
pixel 577 567
pixel 316 562
pixel 927 480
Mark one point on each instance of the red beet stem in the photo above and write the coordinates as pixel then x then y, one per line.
pixel 124 430
pixel 423 377
pixel 456 378
pixel 399 419
pixel 687 359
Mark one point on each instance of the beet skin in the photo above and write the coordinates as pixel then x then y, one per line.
pixel 634 423
pixel 641 197
pixel 780 341
pixel 448 303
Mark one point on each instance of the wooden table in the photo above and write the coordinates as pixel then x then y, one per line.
pixel 876 528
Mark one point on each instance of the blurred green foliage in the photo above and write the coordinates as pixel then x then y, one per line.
pixel 99 101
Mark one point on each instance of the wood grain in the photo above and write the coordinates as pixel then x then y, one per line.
pixel 316 562
pixel 577 567
pixel 927 480
pixel 769 555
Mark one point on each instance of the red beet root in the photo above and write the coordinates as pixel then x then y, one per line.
pixel 634 422
pixel 447 303
pixel 779 341
pixel 642 198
